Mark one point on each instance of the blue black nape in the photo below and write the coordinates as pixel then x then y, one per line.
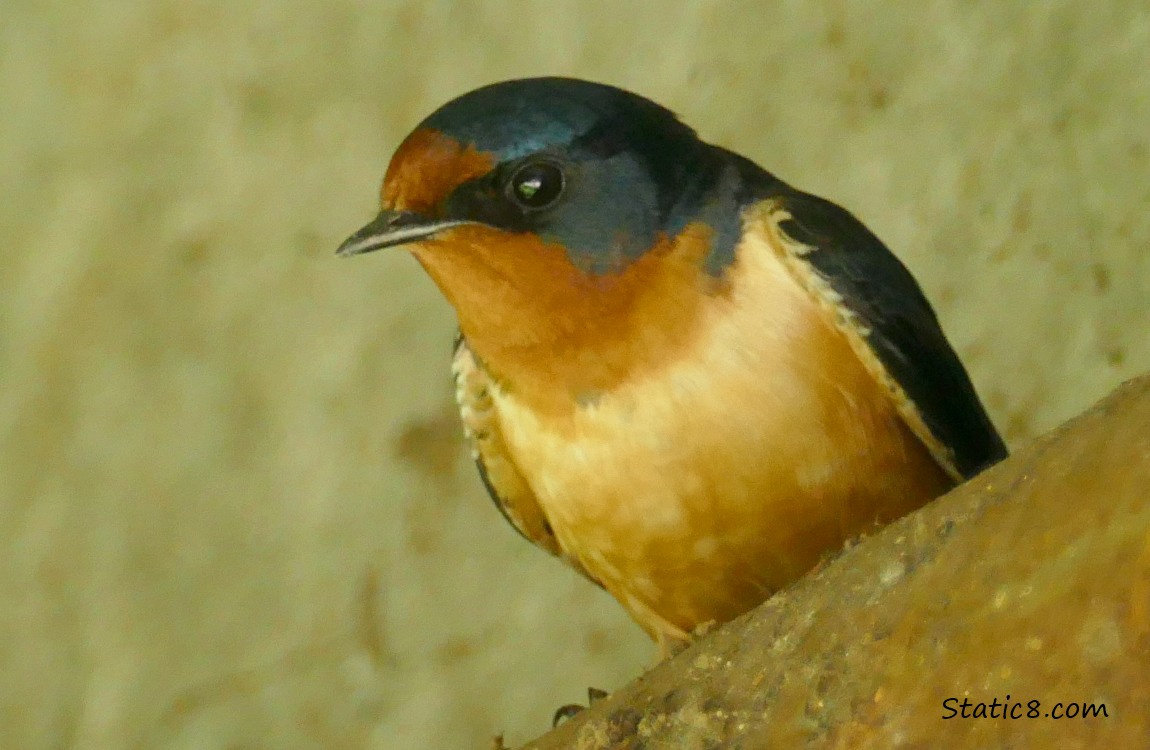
pixel 633 170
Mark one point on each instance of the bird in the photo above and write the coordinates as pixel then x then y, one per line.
pixel 687 379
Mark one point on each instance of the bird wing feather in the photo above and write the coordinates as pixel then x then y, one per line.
pixel 505 483
pixel 890 324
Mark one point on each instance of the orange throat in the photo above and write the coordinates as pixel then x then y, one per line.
pixel 550 331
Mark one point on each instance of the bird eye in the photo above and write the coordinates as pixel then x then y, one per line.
pixel 536 185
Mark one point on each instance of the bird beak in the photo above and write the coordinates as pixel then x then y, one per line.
pixel 393 228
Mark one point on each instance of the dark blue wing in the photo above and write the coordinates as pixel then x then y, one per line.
pixel 905 333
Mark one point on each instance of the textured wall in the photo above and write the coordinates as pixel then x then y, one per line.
pixel 234 506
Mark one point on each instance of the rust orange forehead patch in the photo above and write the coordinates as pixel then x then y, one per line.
pixel 426 167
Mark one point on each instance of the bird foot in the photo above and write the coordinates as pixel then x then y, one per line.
pixel 563 713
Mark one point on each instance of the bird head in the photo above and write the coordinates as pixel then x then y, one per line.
pixel 573 226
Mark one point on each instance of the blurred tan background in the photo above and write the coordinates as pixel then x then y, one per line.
pixel 235 508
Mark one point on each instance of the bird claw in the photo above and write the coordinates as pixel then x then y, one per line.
pixel 563 713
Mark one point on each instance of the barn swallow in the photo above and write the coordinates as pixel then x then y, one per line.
pixel 681 375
